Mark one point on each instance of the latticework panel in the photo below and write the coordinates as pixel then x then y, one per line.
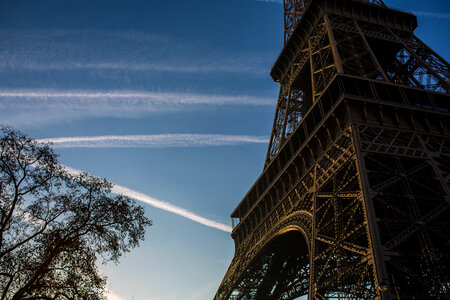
pixel 418 65
pixel 340 44
pixel 251 271
pixel 409 182
pixel 326 205
pixel 295 98
pixel 341 247
pixel 323 65
pixel 356 57
pixel 367 220
pixel 379 52
pixel 294 10
pixel 281 271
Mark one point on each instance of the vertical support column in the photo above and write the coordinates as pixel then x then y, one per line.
pixel 312 288
pixel 286 115
pixel 337 57
pixel 372 55
pixel 274 143
pixel 435 168
pixel 322 59
pixel 293 10
pixel 381 275
pixel 311 62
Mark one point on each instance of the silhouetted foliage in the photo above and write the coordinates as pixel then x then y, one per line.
pixel 54 224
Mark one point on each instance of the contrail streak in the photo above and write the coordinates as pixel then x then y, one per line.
pixel 117 189
pixel 169 207
pixel 41 106
pixel 144 67
pixel 122 51
pixel 138 96
pixel 153 141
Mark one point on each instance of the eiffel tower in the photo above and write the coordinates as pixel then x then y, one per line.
pixel 353 201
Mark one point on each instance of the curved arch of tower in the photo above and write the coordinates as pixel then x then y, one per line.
pixel 353 201
pixel 279 268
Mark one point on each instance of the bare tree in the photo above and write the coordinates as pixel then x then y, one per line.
pixel 54 226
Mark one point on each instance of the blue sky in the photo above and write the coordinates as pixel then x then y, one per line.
pixel 184 87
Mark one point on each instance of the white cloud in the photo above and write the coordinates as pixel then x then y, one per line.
pixel 134 97
pixel 205 67
pixel 170 208
pixel 125 51
pixel 153 141
pixel 117 189
pixel 39 106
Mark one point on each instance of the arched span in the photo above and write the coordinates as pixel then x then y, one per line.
pixel 280 265
pixel 300 221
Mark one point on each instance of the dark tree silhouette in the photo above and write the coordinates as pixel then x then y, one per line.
pixel 55 225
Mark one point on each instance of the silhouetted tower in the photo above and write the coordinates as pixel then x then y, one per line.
pixel 353 201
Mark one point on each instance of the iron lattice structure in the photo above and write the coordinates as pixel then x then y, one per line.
pixel 353 201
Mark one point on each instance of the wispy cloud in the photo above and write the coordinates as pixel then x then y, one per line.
pixel 205 67
pixel 153 141
pixel 26 107
pixel 432 14
pixel 141 96
pixel 170 208
pixel 117 189
pixel 95 73
pixel 126 51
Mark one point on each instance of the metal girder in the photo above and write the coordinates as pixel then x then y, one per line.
pixel 332 187
pixel 295 9
pixel 353 201
pixel 341 44
pixel 294 102
pixel 411 208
